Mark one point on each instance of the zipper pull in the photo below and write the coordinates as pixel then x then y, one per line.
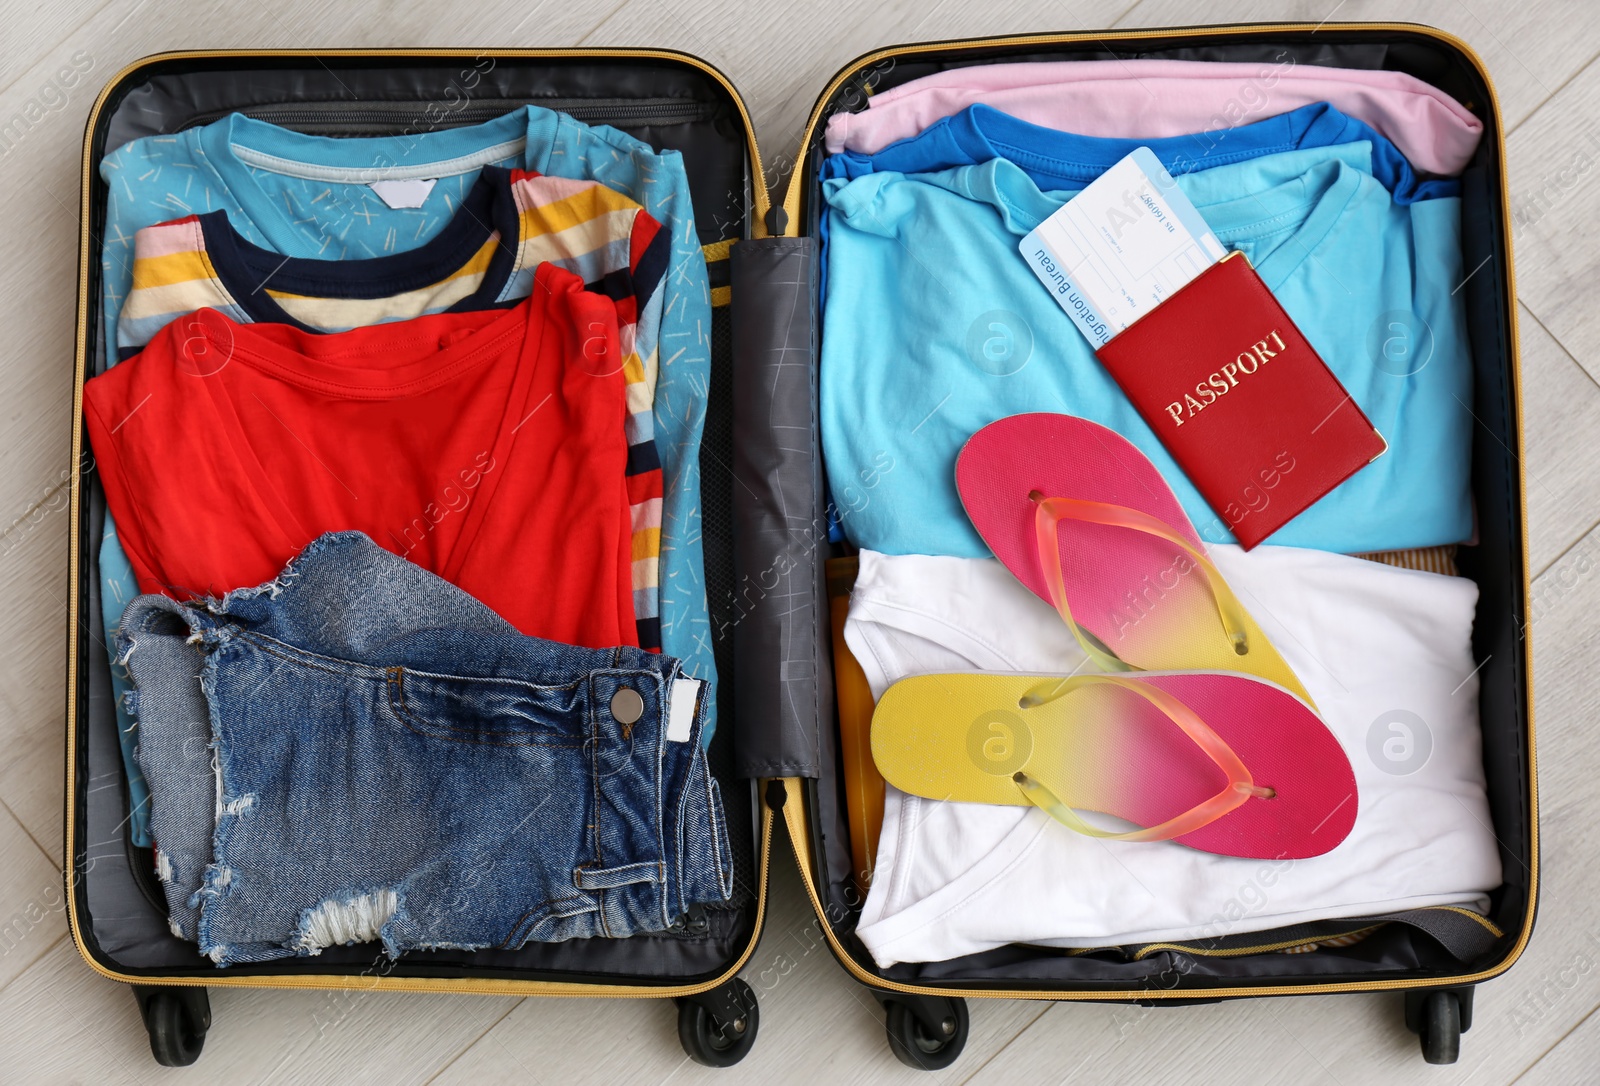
pixel 853 97
pixel 695 922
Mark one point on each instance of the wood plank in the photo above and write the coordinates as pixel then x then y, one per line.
pixel 1285 1040
pixel 33 628
pixel 1561 445
pixel 1575 1059
pixel 1555 198
pixel 32 900
pixel 1530 49
pixel 31 31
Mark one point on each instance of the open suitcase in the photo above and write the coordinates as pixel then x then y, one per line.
pixel 116 913
pixel 776 753
pixel 926 1013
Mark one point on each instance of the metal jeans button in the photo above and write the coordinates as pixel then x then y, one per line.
pixel 626 705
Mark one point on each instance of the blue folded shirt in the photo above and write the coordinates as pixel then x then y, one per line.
pixel 1053 159
pixel 917 262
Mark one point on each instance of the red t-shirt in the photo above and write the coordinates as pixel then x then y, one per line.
pixel 486 447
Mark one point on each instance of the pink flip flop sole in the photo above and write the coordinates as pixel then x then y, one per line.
pixel 1286 747
pixel 1134 579
pixel 1064 456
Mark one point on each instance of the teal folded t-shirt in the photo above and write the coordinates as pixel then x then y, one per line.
pixel 935 327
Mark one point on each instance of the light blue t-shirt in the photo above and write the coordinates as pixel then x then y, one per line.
pixel 310 196
pixel 1057 160
pixel 924 274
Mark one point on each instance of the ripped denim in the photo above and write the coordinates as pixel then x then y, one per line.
pixel 387 759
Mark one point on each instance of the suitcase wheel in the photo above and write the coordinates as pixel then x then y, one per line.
pixel 925 1032
pixel 1439 1018
pixel 718 1028
pixel 177 1020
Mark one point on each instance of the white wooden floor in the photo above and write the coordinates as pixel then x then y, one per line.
pixel 60 1023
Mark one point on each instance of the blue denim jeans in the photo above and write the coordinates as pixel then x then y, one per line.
pixel 394 762
pixel 173 748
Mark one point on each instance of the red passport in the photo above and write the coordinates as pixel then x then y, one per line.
pixel 1243 403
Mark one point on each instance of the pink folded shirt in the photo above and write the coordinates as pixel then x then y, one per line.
pixel 1149 99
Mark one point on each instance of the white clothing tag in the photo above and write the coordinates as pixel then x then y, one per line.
pixel 411 192
pixel 681 704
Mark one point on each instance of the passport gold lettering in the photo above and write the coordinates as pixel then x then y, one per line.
pixel 1220 382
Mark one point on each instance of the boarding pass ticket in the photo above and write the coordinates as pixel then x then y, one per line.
pixel 1121 246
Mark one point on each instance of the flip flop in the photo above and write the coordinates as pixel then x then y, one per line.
pixel 1083 518
pixel 1219 761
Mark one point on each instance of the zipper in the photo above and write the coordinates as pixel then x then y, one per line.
pixel 1241 951
pixel 380 118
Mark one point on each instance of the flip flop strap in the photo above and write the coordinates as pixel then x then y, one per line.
pixel 1048 514
pixel 1241 785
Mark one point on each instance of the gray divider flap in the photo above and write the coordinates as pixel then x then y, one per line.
pixel 780 611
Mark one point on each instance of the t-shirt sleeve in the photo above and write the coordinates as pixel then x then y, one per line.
pixel 172 278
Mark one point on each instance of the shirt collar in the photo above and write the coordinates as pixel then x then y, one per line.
pixel 235 147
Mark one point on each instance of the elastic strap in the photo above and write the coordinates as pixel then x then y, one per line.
pixel 1241 785
pixel 1048 514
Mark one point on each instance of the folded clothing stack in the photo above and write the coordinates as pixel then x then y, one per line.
pixel 1372 643
pixel 929 260
pixel 479 358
